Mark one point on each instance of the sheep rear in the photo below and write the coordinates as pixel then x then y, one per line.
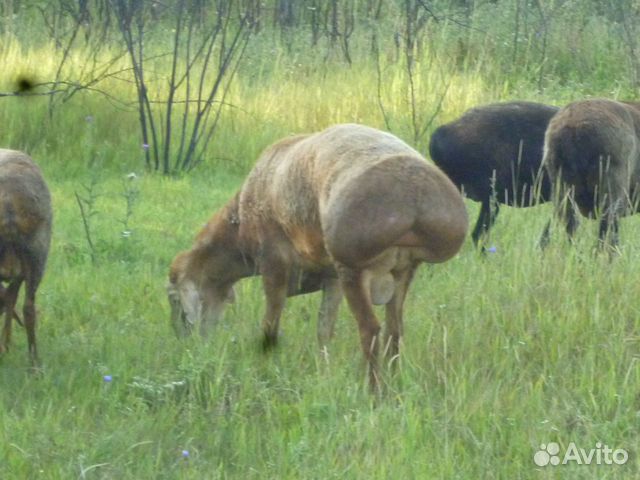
pixel 25 235
pixel 400 202
pixel 592 156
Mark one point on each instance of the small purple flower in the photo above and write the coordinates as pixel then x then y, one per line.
pixel 492 249
pixel 145 146
pixel 107 378
pixel 185 453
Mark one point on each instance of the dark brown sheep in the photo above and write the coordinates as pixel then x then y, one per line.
pixel 592 154
pixel 495 151
pixel 25 235
pixel 349 209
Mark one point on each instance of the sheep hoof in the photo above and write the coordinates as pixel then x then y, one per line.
pixel 269 342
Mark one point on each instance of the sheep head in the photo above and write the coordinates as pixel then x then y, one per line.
pixel 196 300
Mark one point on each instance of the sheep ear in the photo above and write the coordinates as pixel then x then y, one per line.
pixel 191 303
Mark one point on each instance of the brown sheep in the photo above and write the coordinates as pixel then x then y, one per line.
pixel 592 154
pixel 495 152
pixel 349 209
pixel 25 235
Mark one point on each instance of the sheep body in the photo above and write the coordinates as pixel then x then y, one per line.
pixel 350 209
pixel 25 236
pixel 495 152
pixel 592 155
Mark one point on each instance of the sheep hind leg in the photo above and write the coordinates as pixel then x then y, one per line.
pixel 608 233
pixel 566 211
pixel 34 271
pixel 329 306
pixel 29 313
pixel 394 312
pixel 10 299
pixel 545 237
pixel 356 290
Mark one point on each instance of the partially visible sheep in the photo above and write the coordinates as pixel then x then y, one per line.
pixel 496 150
pixel 592 154
pixel 25 235
pixel 349 208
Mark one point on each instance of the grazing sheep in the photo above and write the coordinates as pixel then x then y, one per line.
pixel 496 150
pixel 592 154
pixel 349 209
pixel 25 235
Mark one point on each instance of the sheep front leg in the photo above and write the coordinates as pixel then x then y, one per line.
pixel 275 283
pixel 356 290
pixel 486 219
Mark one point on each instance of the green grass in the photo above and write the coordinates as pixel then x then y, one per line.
pixel 502 353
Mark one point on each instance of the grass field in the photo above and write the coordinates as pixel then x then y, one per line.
pixel 502 352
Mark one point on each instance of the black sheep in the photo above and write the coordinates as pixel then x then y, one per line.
pixel 495 152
